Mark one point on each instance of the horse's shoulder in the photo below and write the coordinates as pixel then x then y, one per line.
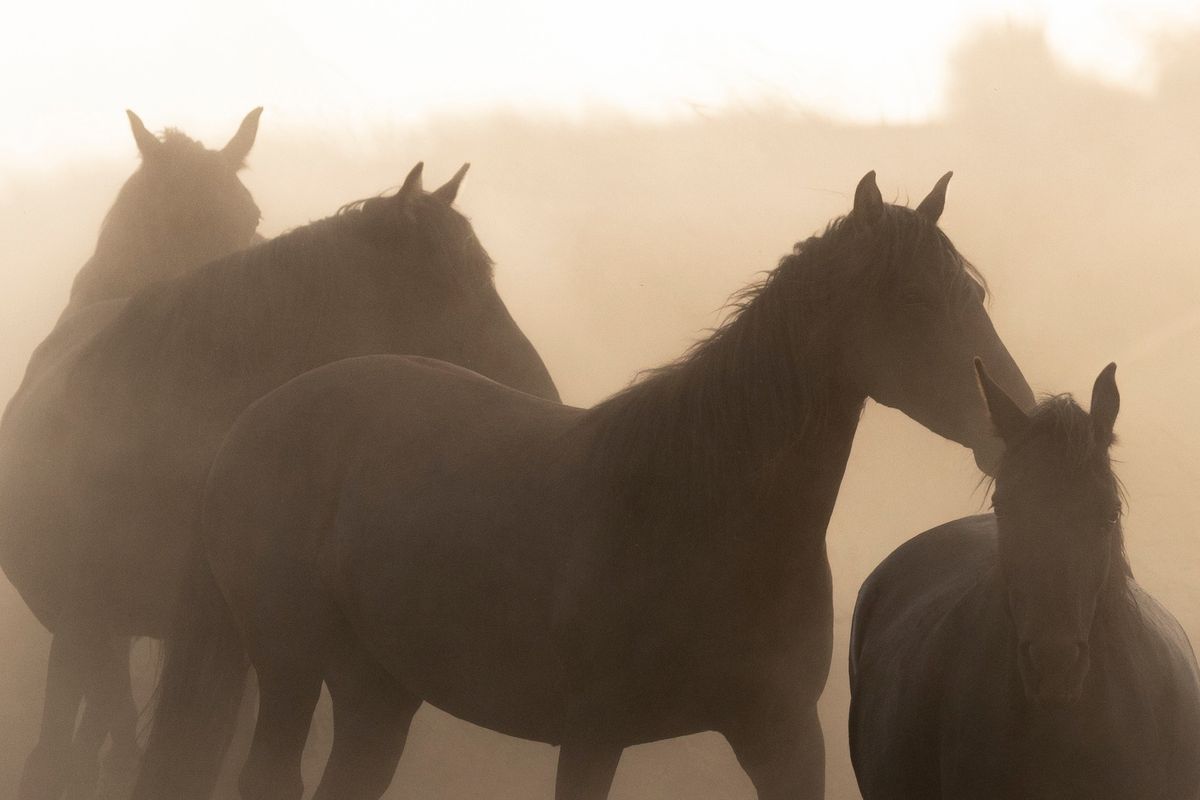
pixel 905 600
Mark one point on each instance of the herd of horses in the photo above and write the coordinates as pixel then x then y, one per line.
pixel 335 458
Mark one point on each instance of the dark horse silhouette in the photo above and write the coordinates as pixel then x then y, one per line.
pixel 1012 655
pixel 103 454
pixel 183 207
pixel 408 531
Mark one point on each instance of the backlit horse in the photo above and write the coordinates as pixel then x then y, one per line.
pixel 103 456
pixel 406 531
pixel 184 206
pixel 1012 655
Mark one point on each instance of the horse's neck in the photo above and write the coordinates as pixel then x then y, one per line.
pixel 807 482
pixel 257 325
pixel 754 434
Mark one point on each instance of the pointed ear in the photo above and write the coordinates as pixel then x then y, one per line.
pixel 932 206
pixel 147 143
pixel 1106 402
pixel 1007 417
pixel 238 148
pixel 412 184
pixel 868 202
pixel 449 190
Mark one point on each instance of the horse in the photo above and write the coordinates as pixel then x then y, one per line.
pixel 182 207
pixel 406 531
pixel 1012 654
pixel 103 458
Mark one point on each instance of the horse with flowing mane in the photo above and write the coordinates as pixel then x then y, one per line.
pixel 1012 655
pixel 103 457
pixel 405 530
pixel 184 206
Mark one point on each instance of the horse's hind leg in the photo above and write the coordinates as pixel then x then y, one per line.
pixel 285 625
pixel 371 716
pixel 45 773
pixel 285 707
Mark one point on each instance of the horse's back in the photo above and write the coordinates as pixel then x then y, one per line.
pixel 347 428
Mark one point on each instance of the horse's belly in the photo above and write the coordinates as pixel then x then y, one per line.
pixel 464 625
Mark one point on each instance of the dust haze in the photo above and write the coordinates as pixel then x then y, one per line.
pixel 617 243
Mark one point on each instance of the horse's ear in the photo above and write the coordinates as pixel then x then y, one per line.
pixel 449 190
pixel 148 144
pixel 1007 417
pixel 412 184
pixel 1106 402
pixel 868 202
pixel 932 206
pixel 238 148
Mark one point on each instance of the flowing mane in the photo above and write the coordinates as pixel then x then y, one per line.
pixel 1061 439
pixel 731 397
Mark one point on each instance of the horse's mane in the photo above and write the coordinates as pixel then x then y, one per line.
pixel 176 142
pixel 241 307
pixel 731 397
pixel 1062 427
pixel 1061 431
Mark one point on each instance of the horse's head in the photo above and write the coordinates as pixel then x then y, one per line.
pixel 921 320
pixel 1058 511
pixel 185 206
pixel 437 281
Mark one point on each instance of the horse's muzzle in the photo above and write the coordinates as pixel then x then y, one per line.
pixel 1053 672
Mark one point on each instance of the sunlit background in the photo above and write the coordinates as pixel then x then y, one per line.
pixel 353 64
pixel 634 163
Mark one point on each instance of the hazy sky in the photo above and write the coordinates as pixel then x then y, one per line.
pixel 71 68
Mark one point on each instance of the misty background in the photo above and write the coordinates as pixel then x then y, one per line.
pixel 618 235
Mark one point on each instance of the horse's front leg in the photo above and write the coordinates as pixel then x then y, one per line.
pixel 782 749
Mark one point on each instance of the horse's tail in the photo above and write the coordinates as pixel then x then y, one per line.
pixel 199 694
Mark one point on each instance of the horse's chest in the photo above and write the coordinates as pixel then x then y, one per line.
pixel 1083 758
pixel 704 633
